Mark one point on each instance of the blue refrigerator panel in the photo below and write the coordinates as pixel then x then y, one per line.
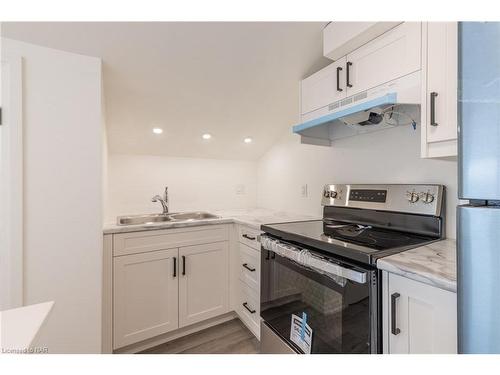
pixel 478 267
pixel 479 110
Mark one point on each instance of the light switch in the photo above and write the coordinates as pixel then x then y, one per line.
pixel 304 191
pixel 240 189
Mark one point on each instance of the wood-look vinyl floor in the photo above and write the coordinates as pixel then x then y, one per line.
pixel 231 337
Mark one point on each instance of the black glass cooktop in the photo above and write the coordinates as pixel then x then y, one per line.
pixel 359 242
pixel 366 235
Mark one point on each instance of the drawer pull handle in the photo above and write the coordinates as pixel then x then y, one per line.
pixel 248 268
pixel 248 237
pixel 251 311
pixel 183 265
pixel 394 330
pixel 175 267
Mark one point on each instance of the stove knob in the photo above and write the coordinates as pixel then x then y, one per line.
pixel 427 197
pixel 326 194
pixel 411 196
pixel 333 194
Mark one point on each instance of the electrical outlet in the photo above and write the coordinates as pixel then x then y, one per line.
pixel 304 191
pixel 240 189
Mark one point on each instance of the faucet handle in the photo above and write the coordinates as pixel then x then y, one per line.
pixel 156 198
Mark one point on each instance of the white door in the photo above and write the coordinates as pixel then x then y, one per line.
pixel 203 282
pixel 425 318
pixel 390 56
pixel 323 87
pixel 145 290
pixel 442 72
pixel 11 182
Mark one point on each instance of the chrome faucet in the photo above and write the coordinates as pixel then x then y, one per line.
pixel 163 201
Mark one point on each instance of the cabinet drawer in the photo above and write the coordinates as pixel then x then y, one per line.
pixel 249 236
pixel 249 267
pixel 140 242
pixel 249 308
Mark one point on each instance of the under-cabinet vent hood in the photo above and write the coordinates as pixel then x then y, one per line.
pixel 392 104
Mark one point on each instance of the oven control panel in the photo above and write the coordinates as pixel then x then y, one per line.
pixel 368 195
pixel 417 199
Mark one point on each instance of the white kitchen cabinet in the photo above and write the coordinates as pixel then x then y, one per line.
pixel 392 55
pixel 418 318
pixel 324 87
pixel 248 308
pixel 249 266
pixel 145 296
pixel 203 282
pixel 340 38
pixel 439 89
pixel 248 275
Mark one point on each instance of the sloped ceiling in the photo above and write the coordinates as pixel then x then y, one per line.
pixel 232 80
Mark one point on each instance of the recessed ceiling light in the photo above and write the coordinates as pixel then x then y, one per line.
pixel 206 136
pixel 247 140
pixel 157 130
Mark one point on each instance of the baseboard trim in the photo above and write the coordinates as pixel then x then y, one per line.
pixel 158 340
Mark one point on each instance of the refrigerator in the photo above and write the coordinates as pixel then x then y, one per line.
pixel 478 220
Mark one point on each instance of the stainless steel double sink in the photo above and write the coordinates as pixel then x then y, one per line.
pixel 159 218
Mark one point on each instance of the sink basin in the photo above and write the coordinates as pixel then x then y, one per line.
pixel 184 216
pixel 143 219
pixel 159 218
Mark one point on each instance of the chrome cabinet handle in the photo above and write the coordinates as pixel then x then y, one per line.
pixel 248 237
pixel 433 108
pixel 339 69
pixel 245 305
pixel 248 268
pixel 394 330
pixel 348 74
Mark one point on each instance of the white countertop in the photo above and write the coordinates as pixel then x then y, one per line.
pixel 433 264
pixel 20 326
pixel 254 218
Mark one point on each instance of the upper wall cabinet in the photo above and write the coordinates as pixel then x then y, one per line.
pixel 341 38
pixel 439 89
pixel 390 56
pixel 324 87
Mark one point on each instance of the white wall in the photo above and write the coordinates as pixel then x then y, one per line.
pixel 62 193
pixel 390 156
pixel 194 184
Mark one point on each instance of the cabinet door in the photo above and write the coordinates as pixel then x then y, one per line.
pixel 442 70
pixel 390 56
pixel 145 290
pixel 426 317
pixel 323 88
pixel 203 282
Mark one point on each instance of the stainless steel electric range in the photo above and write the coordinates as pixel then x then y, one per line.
pixel 320 288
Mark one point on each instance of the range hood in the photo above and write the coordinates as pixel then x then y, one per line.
pixel 392 104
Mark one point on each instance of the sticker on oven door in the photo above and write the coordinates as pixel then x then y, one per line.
pixel 301 333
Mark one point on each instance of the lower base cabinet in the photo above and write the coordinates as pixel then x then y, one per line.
pixel 249 308
pixel 145 296
pixel 160 291
pixel 418 318
pixel 203 283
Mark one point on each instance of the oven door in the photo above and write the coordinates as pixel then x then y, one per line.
pixel 341 312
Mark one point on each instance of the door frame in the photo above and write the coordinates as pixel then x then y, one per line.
pixel 11 182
